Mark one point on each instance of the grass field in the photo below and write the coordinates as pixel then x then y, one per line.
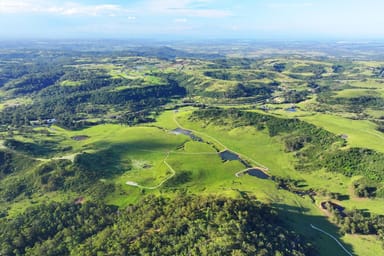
pixel 252 144
pixel 368 245
pixel 20 205
pixel 375 113
pixel 361 133
pixel 71 83
pixel 15 102
pixel 369 83
pixel 353 93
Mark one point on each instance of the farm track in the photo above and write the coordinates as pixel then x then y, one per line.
pixel 334 238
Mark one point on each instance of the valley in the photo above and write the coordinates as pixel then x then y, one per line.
pixel 288 134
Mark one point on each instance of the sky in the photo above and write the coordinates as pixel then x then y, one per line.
pixel 199 19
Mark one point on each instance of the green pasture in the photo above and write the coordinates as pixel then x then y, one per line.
pixel 255 146
pixel 15 102
pixel 280 110
pixel 21 204
pixel 71 83
pixel 128 140
pixel 207 170
pixel 220 85
pixel 118 73
pixel 367 245
pixel 166 120
pixel 361 133
pixel 375 113
pixel 134 75
pixel 304 75
pixel 368 83
pixel 354 93
pixel 369 63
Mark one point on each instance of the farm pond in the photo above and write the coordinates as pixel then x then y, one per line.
pixel 257 173
pixel 190 134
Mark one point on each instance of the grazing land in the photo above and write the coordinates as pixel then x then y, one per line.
pixel 247 149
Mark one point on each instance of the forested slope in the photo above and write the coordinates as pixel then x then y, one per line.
pixel 189 225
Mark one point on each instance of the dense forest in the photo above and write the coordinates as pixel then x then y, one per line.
pixel 179 226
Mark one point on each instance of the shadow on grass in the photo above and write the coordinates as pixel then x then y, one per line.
pixel 135 146
pixel 297 219
pixel 43 148
pixel 111 159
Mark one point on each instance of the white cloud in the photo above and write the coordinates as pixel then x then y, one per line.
pixel 76 9
pixel 282 5
pixel 185 8
pixel 9 6
pixel 206 13
pixel 63 8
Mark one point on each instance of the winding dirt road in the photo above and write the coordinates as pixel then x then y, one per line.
pixel 334 238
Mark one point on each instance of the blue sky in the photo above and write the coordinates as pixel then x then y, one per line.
pixel 283 19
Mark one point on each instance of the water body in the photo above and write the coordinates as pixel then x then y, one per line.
pixel 290 109
pixel 257 173
pixel 188 133
pixel 227 155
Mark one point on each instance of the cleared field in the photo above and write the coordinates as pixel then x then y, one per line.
pixel 15 102
pixel 22 204
pixel 368 245
pixel 361 133
pixel 71 83
pixel 369 83
pixel 285 110
pixel 353 93
pixel 375 113
pixel 220 85
pixel 206 170
pixel 134 138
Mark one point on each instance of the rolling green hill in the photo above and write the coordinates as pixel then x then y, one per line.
pixel 190 153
